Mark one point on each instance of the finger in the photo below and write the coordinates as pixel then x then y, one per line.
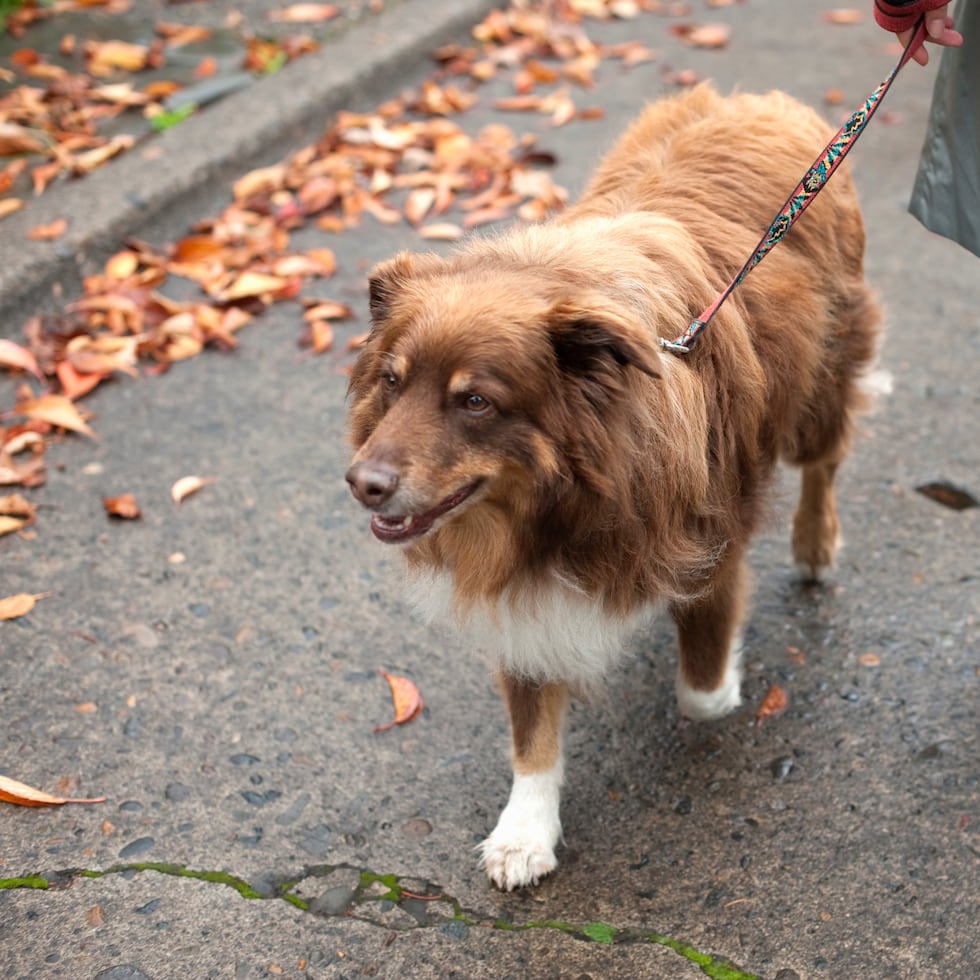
pixel 936 23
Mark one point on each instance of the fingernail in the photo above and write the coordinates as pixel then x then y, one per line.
pixel 936 27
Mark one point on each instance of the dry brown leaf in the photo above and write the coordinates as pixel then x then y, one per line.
pixel 773 704
pixel 74 384
pixel 107 57
pixel 441 231
pixel 15 139
pixel 406 698
pixel 15 606
pixel 12 791
pixel 123 506
pixel 187 485
pixel 304 13
pixel 703 35
pixel 9 205
pixel 95 916
pixel 10 524
pixel 328 309
pixel 56 410
pixel 321 336
pixel 20 358
pixel 49 232
pixel 14 505
pixel 844 15
pixel 250 284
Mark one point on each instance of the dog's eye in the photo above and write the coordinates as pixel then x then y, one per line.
pixel 476 404
pixel 389 381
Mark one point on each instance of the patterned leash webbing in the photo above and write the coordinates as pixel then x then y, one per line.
pixel 806 190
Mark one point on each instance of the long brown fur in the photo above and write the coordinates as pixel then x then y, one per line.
pixel 627 474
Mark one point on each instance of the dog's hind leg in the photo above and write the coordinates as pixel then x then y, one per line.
pixel 521 849
pixel 709 674
pixel 816 528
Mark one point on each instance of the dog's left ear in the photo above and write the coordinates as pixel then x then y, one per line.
pixel 586 339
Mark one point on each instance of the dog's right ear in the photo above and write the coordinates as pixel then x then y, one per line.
pixel 385 282
pixel 390 278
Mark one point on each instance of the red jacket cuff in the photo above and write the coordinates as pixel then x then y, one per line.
pixel 903 16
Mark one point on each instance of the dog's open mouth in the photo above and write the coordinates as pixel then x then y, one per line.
pixel 393 530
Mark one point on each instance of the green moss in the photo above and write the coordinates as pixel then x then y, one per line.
pixel 28 881
pixel 597 932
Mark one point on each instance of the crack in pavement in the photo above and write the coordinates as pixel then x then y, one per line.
pixel 388 901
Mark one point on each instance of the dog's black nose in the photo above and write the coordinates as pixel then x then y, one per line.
pixel 372 483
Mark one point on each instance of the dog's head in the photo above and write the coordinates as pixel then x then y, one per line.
pixel 484 384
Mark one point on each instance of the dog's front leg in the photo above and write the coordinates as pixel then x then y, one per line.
pixel 521 849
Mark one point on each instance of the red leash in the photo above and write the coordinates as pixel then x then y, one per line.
pixel 806 190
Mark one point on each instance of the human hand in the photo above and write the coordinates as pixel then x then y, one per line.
pixel 939 30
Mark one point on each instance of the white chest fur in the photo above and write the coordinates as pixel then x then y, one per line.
pixel 553 633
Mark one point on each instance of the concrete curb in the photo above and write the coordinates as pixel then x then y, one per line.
pixel 239 132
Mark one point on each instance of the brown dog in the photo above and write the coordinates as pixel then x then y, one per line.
pixel 552 475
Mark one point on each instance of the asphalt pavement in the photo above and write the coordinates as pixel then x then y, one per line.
pixel 212 669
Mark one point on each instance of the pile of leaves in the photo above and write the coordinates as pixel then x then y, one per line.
pixel 53 116
pixel 409 160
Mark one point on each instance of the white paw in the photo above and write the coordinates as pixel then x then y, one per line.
pixel 706 705
pixel 517 863
pixel 521 849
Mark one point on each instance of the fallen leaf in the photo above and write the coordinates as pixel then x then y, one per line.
pixel 12 791
pixel 774 703
pixel 86 708
pixel 56 410
pixel 441 231
pixel 407 700
pixel 945 493
pixel 14 356
pixel 123 506
pixel 95 916
pixel 74 384
pixel 843 15
pixel 250 284
pixel 10 524
pixel 304 13
pixel 107 57
pixel 15 606
pixel 49 232
pixel 187 485
pixel 703 35
pixel 869 659
pixel 9 205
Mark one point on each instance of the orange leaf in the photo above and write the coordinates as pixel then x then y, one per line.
pixel 56 410
pixel 843 15
pixel 304 13
pixel 15 606
pixel 14 792
pixel 47 233
pixel 10 524
pixel 74 384
pixel 442 231
pixel 774 703
pixel 124 506
pixel 206 67
pixel 14 356
pixel 250 284
pixel 187 485
pixel 106 57
pixel 9 205
pixel 407 700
